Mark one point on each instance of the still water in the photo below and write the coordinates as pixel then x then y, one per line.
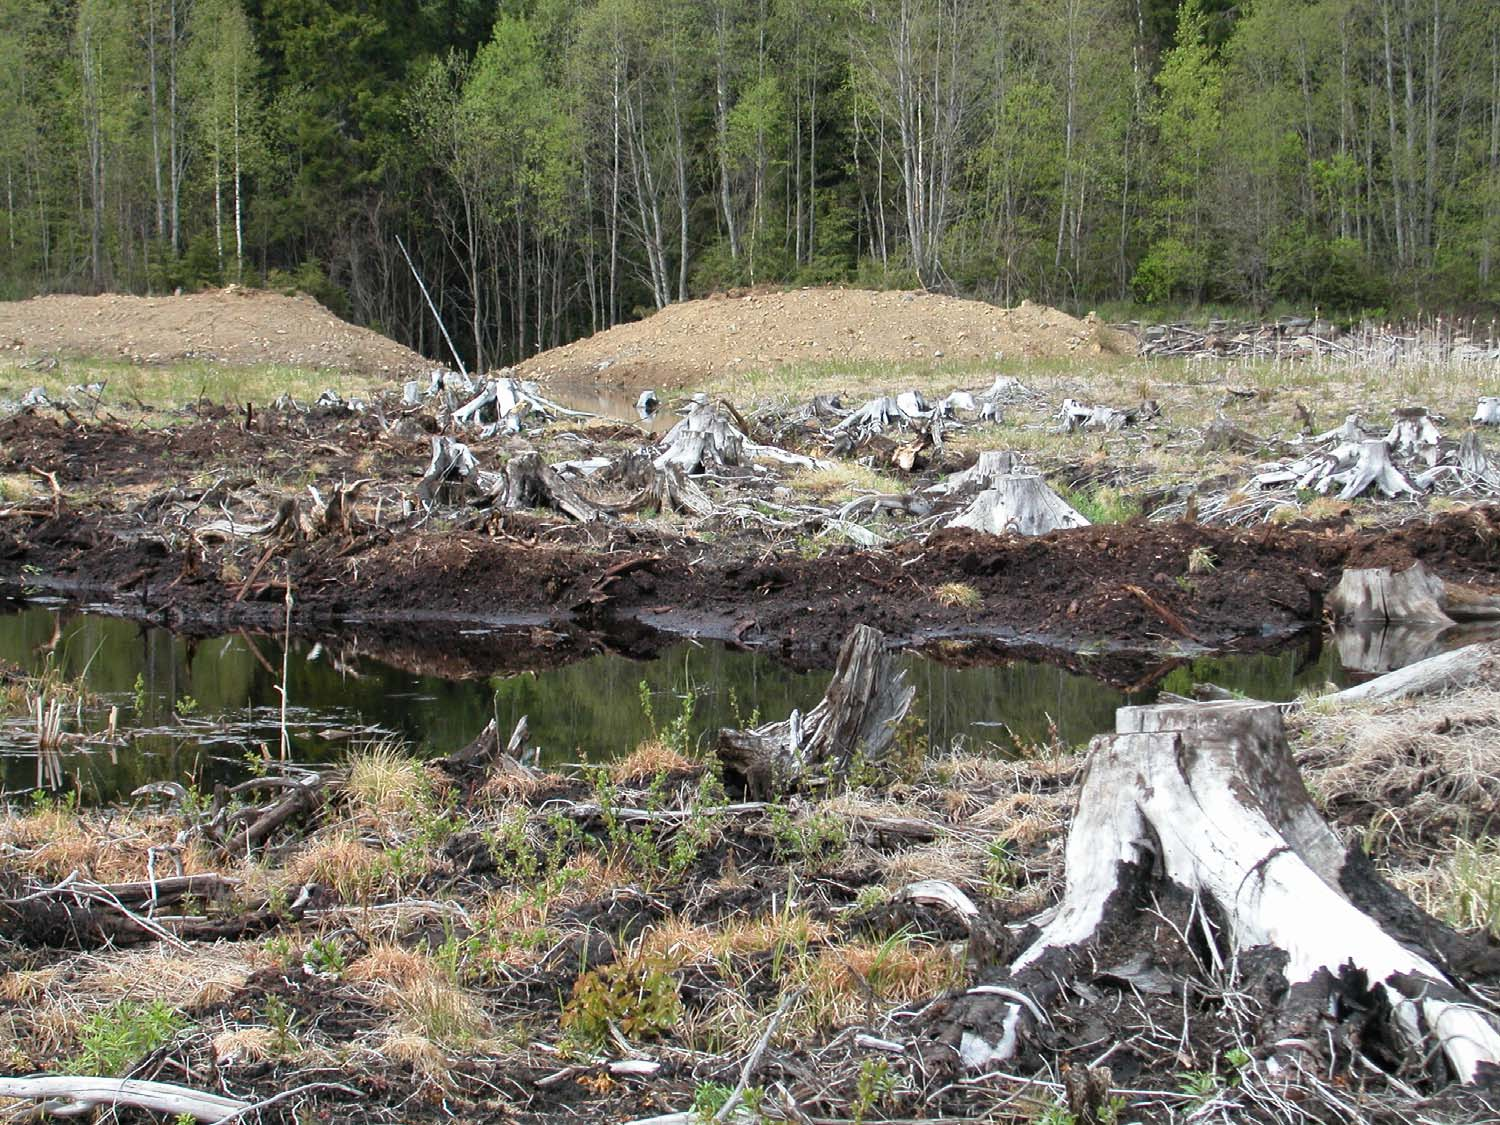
pixel 193 709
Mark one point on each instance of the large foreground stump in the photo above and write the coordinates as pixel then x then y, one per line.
pixel 1194 817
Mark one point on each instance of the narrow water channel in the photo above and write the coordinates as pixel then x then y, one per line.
pixel 193 709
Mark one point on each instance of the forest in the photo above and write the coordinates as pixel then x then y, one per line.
pixel 554 167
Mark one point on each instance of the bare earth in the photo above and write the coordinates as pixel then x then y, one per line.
pixel 723 334
pixel 233 326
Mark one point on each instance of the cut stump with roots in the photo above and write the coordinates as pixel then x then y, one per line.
pixel 854 722
pixel 1020 503
pixel 1194 827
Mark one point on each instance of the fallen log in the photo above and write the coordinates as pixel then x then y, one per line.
pixel 854 722
pixel 80 1093
pixel 1020 504
pixel 1195 815
pixel 1447 671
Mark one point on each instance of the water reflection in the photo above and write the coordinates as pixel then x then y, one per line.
pixel 194 708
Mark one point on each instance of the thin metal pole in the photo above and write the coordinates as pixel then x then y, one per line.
pixel 435 315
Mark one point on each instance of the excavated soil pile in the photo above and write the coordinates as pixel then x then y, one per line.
pixel 745 332
pixel 233 325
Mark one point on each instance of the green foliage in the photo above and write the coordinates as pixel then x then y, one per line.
pixel 639 997
pixel 113 1040
pixel 809 837
pixel 1102 504
pixel 324 956
pixel 872 1088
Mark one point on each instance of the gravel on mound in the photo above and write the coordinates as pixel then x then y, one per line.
pixel 748 331
pixel 234 325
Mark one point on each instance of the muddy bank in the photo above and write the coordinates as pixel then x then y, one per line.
pixel 1129 588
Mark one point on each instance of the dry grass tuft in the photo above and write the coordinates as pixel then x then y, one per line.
pixel 54 841
pixel 441 1012
pixel 957 595
pixel 392 964
pixel 241 1046
pixel 426 1058
pixel 355 871
pixel 384 779
pixel 646 761
pixel 1426 765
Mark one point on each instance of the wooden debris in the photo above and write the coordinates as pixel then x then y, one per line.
pixel 1020 504
pixel 77 1094
pixel 1487 413
pixel 1202 806
pixel 856 720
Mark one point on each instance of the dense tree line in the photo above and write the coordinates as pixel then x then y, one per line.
pixel 556 166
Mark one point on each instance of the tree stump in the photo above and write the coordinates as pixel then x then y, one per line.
pixel 1195 815
pixel 1413 434
pixel 1411 596
pixel 1487 413
pixel 452 475
pixel 1373 468
pixel 1020 503
pixel 529 483
pixel 983 474
pixel 855 721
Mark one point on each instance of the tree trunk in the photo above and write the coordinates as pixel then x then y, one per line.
pixel 1195 815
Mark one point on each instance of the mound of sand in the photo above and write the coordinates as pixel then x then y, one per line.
pixel 234 325
pixel 723 334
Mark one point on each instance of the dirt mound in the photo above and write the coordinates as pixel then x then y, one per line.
pixel 744 332
pixel 233 325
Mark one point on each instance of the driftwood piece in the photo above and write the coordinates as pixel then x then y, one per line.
pixel 1198 810
pixel 1020 504
pixel 855 721
pixel 80 1093
pixel 1447 671
pixel 527 482
pixel 1411 596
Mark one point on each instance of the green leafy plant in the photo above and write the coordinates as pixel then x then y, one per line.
pixel 323 956
pixel 638 997
pixel 121 1035
pixel 185 705
pixel 875 1084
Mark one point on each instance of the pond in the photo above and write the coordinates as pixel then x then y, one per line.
pixel 193 709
